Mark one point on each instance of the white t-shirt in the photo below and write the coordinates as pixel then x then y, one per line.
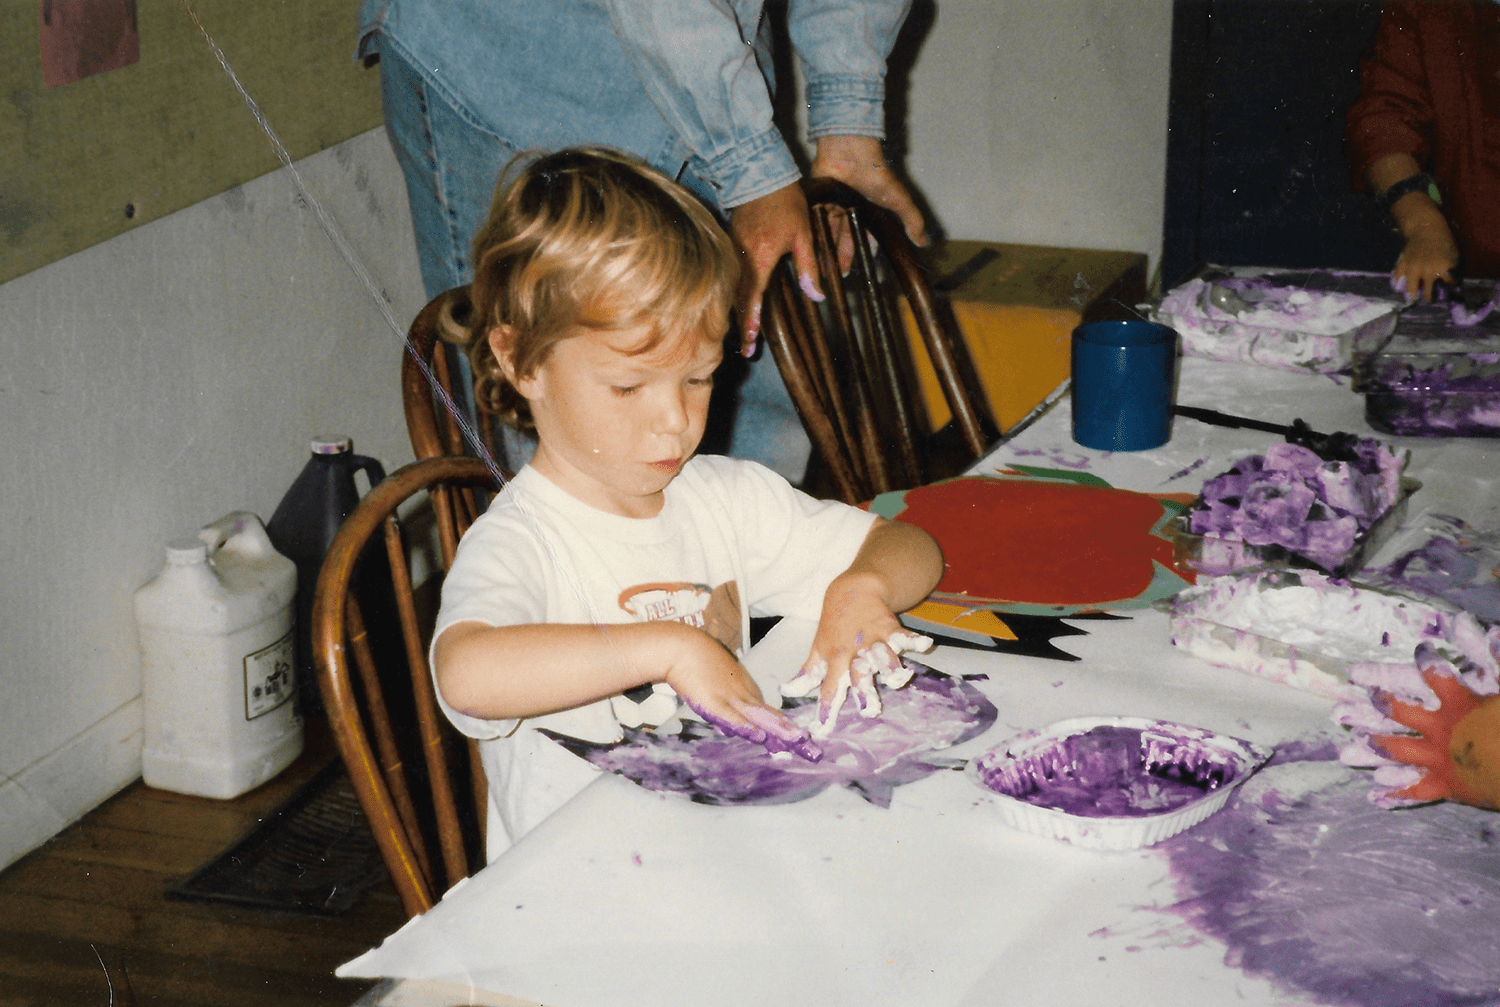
pixel 732 539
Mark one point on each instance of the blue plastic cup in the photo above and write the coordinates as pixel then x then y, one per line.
pixel 1123 376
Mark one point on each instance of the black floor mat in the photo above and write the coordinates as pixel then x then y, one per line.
pixel 314 854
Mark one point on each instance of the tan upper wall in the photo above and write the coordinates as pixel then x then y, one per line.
pixel 171 130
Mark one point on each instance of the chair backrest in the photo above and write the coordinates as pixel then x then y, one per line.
pixel 420 784
pixel 847 362
pixel 429 424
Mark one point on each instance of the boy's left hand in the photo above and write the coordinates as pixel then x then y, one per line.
pixel 859 640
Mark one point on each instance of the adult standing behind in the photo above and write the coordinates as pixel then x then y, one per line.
pixel 684 84
pixel 1425 136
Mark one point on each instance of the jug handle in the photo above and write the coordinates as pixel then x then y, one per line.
pixel 370 467
pixel 239 531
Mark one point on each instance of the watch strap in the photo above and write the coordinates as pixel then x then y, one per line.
pixel 1420 182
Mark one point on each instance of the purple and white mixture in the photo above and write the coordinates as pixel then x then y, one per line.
pixel 1273 321
pixel 1112 771
pixel 1332 899
pixel 1303 629
pixel 1313 507
pixel 1439 373
pixel 871 756
pixel 1457 564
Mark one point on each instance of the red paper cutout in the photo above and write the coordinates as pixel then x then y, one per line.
pixel 1041 542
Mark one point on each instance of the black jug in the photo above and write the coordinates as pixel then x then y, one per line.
pixel 302 529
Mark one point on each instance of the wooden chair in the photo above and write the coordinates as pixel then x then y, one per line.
pixel 407 764
pixel 847 364
pixel 429 424
pixel 432 429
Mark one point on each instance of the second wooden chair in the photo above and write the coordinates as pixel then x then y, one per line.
pixel 847 362
pixel 420 784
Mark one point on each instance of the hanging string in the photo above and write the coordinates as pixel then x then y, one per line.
pixel 351 259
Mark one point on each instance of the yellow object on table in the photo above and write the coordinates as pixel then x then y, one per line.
pixel 1017 311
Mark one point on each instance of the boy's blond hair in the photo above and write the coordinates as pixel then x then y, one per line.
pixel 591 237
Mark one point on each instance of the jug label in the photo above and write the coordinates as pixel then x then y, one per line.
pixel 269 678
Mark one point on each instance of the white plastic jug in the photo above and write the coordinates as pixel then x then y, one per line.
pixel 217 662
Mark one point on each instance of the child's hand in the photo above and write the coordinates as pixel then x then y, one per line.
pixel 719 689
pixel 1449 703
pixel 1454 749
pixel 858 640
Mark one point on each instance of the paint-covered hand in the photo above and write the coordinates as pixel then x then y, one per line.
pixel 879 661
pixel 1431 730
pixel 719 689
pixel 764 230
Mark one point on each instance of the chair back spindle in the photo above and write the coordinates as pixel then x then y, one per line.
pixel 406 763
pixel 846 362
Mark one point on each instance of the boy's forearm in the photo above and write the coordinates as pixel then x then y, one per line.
pixel 1413 212
pixel 498 673
pixel 901 561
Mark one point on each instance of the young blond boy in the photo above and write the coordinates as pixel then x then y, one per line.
pixel 617 562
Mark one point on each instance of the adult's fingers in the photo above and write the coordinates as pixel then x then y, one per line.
pixel 859 162
pixel 764 230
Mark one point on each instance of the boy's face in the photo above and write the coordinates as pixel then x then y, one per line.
pixel 613 429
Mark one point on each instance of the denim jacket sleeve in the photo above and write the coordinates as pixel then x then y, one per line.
pixel 697 61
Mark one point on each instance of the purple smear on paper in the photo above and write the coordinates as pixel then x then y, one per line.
pixel 1314 889
pixel 1187 471
pixel 1113 772
pixel 869 756
pixel 1458 564
pixel 1057 456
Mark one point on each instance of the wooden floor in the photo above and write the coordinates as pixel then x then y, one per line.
pixel 84 921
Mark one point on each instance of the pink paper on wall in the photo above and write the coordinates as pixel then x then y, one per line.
pixel 83 37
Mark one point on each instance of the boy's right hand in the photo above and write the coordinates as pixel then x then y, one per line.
pixel 717 687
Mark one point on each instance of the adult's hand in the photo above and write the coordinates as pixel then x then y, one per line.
pixel 764 230
pixel 859 162
pixel 767 228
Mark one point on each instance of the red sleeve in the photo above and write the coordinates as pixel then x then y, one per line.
pixel 1394 112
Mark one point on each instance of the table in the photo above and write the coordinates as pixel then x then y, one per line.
pixel 629 897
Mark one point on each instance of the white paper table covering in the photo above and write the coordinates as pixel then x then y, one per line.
pixel 833 901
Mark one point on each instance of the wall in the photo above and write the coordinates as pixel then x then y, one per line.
pixel 112 152
pixel 1043 121
pixel 151 384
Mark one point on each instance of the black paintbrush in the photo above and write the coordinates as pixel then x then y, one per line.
pixel 1335 447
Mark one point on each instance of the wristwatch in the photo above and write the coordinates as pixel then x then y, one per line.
pixel 1420 182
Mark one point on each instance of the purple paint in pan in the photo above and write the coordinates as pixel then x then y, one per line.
pixel 1114 772
pixel 1313 888
pixel 1113 783
pixel 869 756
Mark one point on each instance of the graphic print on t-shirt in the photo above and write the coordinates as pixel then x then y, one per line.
pixel 716 611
